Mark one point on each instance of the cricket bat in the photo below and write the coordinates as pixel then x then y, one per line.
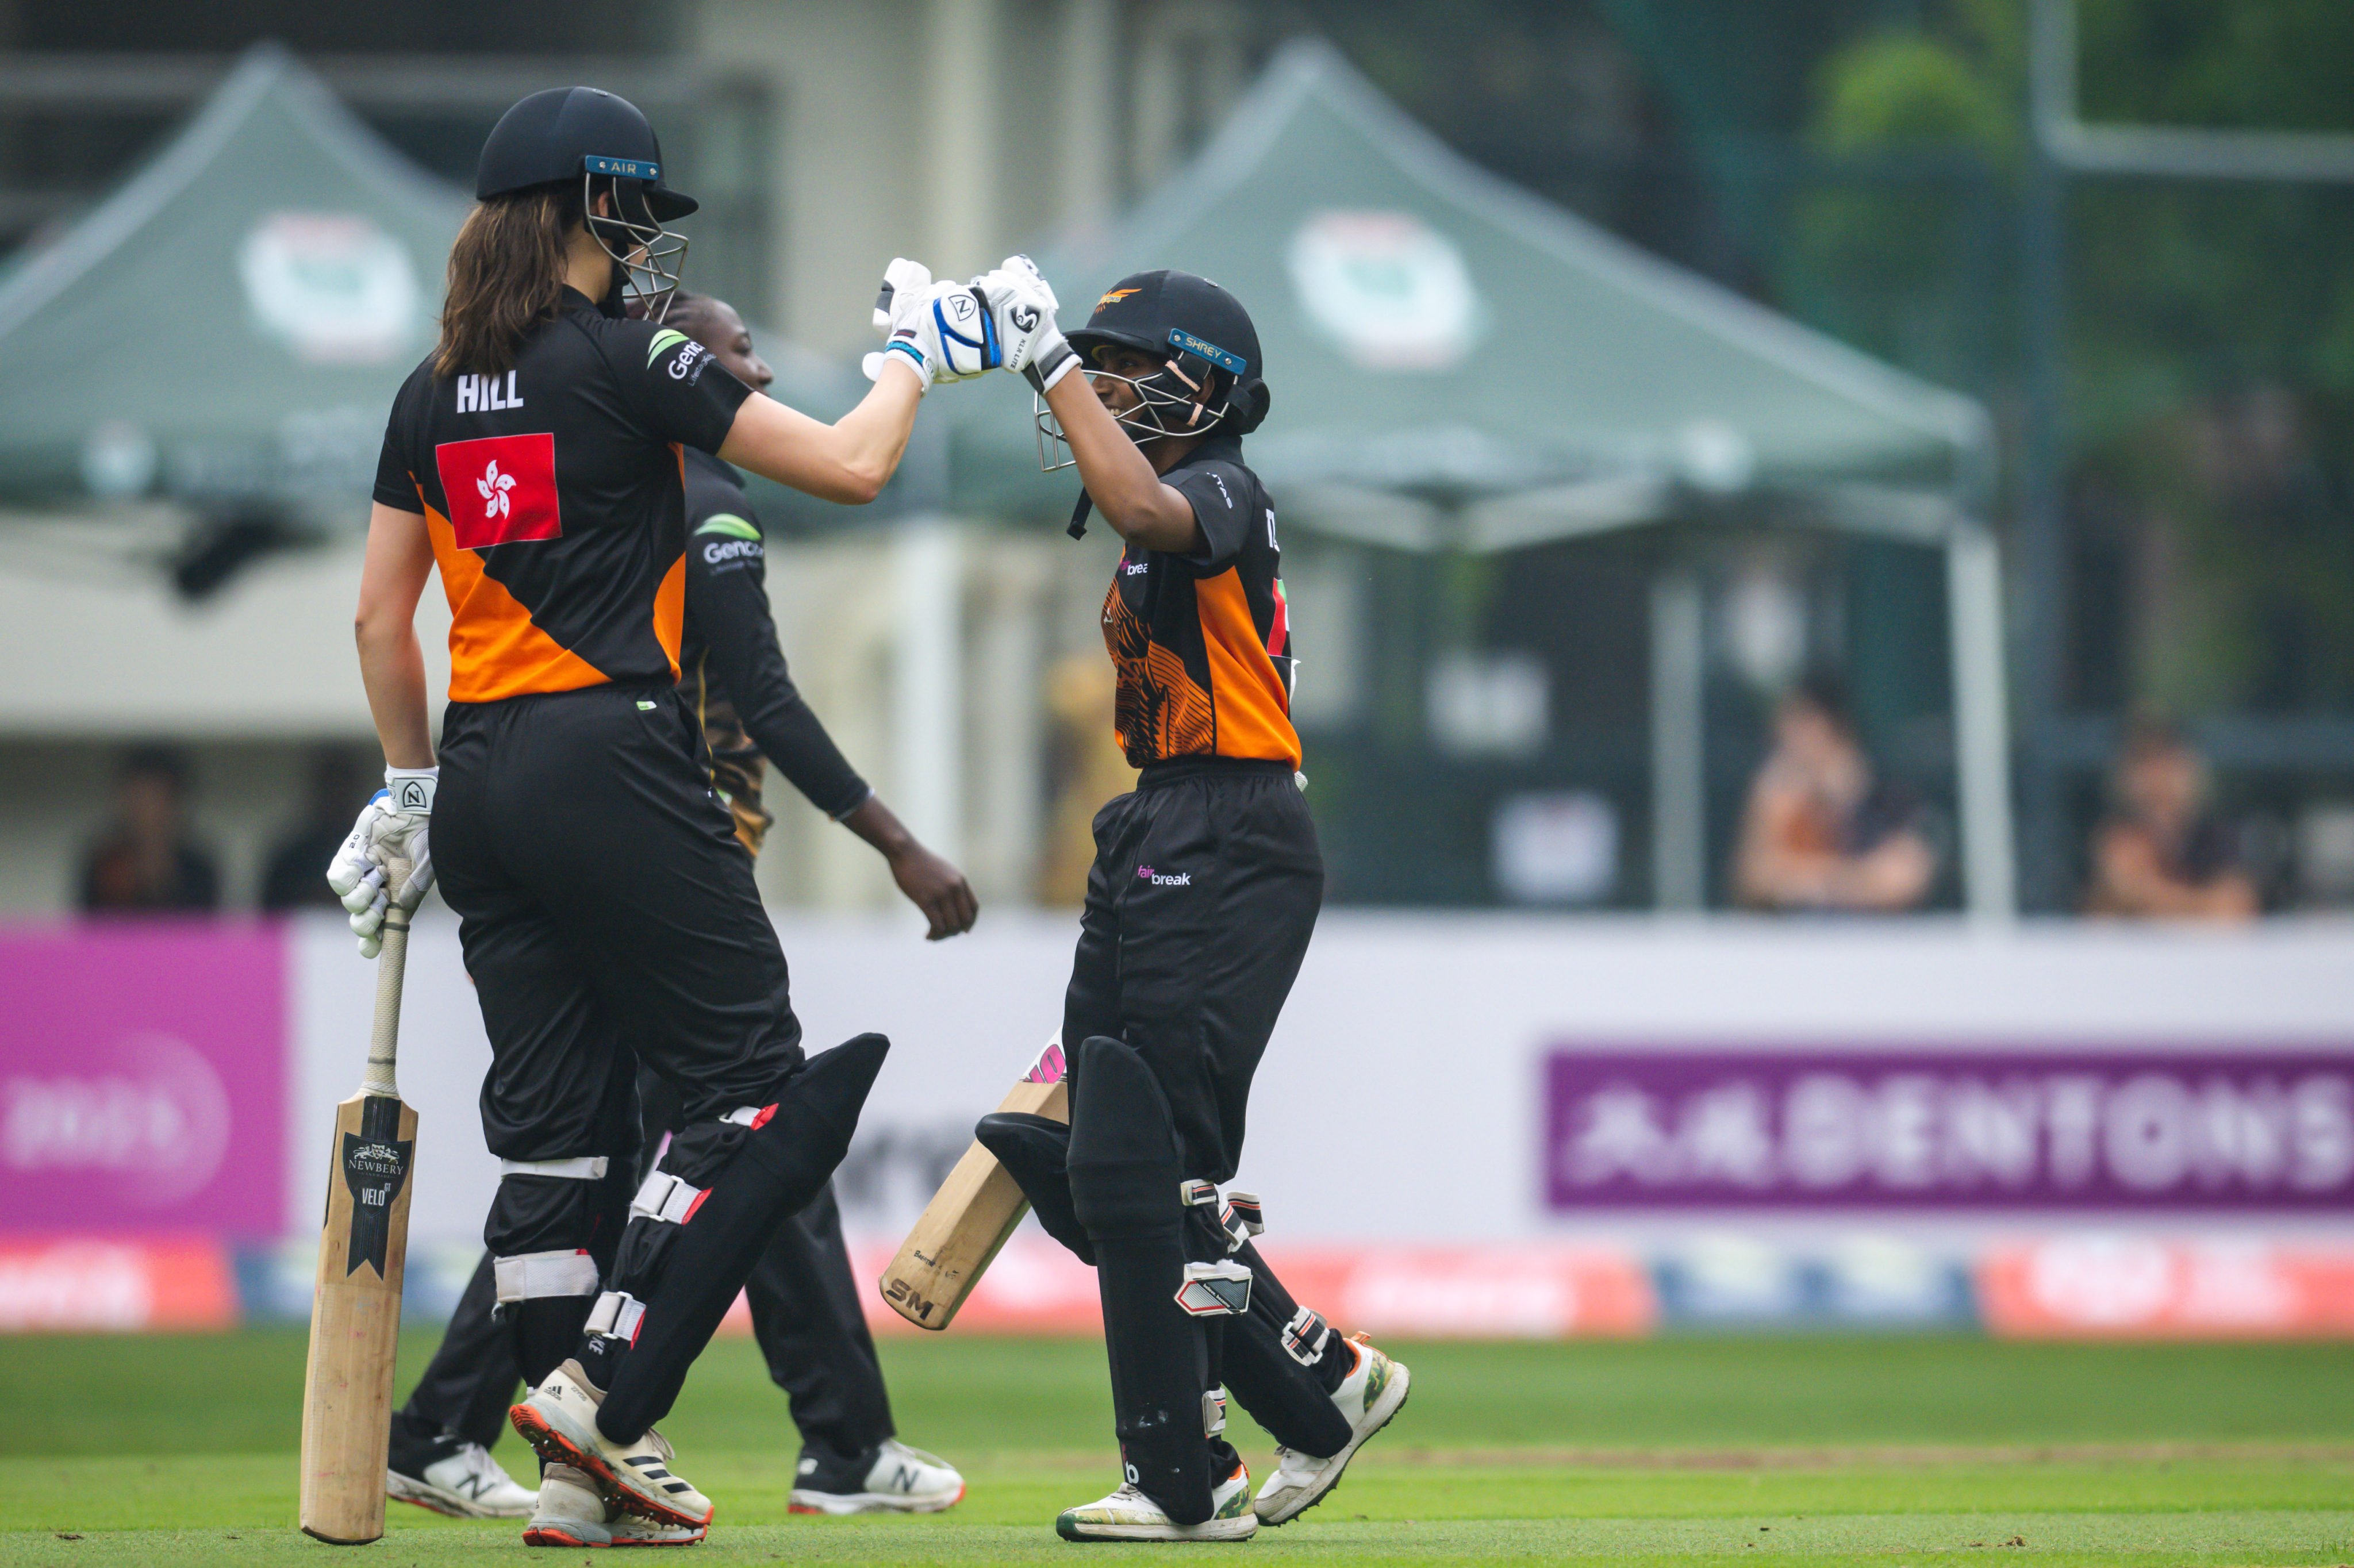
pixel 975 1210
pixel 356 1308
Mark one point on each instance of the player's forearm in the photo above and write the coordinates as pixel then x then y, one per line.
pixel 1128 492
pixel 849 461
pixel 733 613
pixel 392 665
pixel 879 826
pixel 789 735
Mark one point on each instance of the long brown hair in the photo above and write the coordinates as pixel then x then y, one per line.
pixel 506 275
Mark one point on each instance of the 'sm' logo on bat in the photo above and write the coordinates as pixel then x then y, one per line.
pixel 900 1295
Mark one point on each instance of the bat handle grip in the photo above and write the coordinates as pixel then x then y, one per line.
pixel 384 1037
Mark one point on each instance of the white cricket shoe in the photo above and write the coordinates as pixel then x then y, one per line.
pixel 890 1478
pixel 572 1512
pixel 455 1478
pixel 1129 1515
pixel 1373 1391
pixel 558 1419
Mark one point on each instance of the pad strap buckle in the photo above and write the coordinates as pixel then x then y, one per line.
pixel 1305 1336
pixel 666 1198
pixel 1213 1412
pixel 618 1315
pixel 1242 1220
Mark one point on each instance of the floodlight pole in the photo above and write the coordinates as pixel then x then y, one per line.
pixel 2042 536
pixel 928 684
pixel 1679 743
pixel 1981 727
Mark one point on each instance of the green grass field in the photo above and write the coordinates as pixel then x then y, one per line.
pixel 1883 1451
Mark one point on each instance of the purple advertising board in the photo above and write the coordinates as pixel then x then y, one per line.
pixel 2219 1129
pixel 143 1079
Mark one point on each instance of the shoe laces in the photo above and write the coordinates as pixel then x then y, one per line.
pixel 907 1450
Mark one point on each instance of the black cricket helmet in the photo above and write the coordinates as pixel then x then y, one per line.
pixel 587 134
pixel 1203 337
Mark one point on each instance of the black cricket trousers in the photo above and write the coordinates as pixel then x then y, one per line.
pixel 1203 895
pixel 609 918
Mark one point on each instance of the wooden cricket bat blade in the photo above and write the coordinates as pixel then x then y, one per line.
pixel 969 1218
pixel 356 1321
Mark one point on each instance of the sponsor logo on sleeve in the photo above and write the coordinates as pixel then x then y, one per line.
pixel 687 357
pixel 728 540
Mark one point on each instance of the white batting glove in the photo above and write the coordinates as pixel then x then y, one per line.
pixel 902 282
pixel 903 286
pixel 924 328
pixel 945 335
pixel 392 829
pixel 1022 305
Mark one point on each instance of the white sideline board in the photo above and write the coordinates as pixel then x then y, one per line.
pixel 1400 1100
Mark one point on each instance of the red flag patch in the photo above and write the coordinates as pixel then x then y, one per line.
pixel 501 489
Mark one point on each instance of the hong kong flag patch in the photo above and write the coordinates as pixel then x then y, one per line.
pixel 501 489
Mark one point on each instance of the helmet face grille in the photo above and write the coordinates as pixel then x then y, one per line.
pixel 1164 407
pixel 652 258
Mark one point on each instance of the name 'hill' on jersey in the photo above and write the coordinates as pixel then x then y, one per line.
pixel 560 546
pixel 1202 643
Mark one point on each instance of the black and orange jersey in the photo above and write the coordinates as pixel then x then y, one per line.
pixel 555 495
pixel 1201 643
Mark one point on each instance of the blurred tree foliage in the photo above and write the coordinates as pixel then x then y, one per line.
pixel 2211 351
pixel 1857 163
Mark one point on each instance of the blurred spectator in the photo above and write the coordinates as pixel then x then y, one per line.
pixel 1819 832
pixel 144 862
pixel 2161 852
pixel 1085 768
pixel 297 875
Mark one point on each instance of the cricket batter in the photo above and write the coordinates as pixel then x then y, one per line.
pixel 536 459
pixel 805 1302
pixel 1199 907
